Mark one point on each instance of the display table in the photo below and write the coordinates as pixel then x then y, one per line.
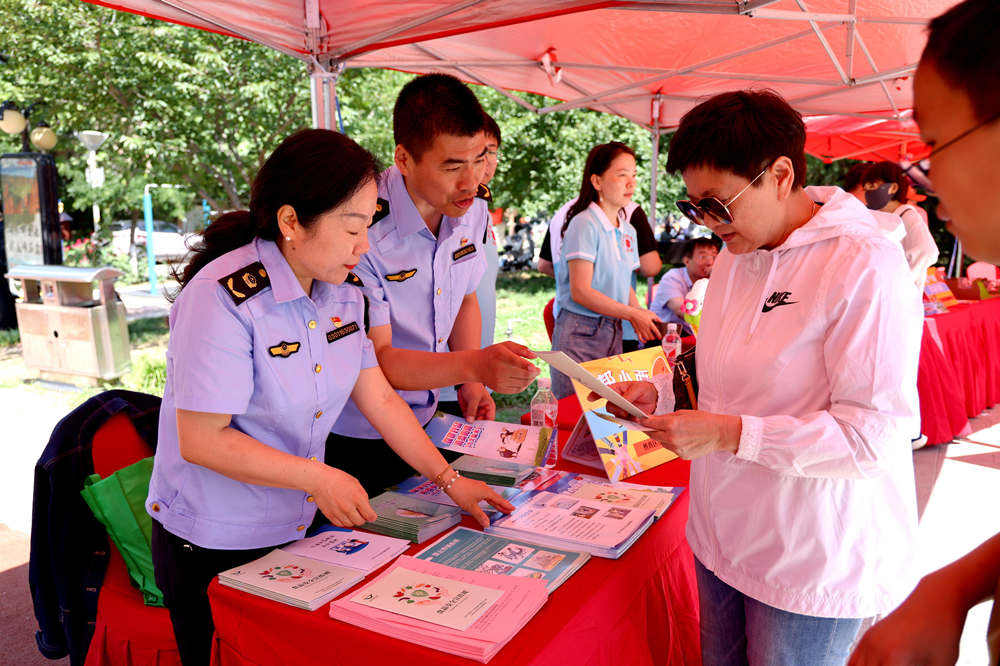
pixel 959 374
pixel 641 610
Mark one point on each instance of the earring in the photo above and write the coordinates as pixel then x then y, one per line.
pixel 288 238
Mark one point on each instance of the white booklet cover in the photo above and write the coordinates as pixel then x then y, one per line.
pixel 422 596
pixel 573 520
pixel 363 551
pixel 291 579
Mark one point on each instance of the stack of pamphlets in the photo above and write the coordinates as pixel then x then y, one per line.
pixel 584 486
pixel 573 523
pixel 291 579
pixel 509 442
pixel 344 547
pixel 493 472
pixel 409 517
pixel 464 613
pixel 463 548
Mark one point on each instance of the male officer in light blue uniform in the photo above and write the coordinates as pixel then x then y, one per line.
pixel 421 273
pixel 486 292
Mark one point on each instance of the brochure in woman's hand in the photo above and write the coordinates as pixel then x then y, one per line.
pixel 574 370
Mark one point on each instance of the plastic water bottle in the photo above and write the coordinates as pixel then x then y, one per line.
pixel 544 409
pixel 671 343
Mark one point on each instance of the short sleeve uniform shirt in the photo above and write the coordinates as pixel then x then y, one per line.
pixel 612 249
pixel 246 340
pixel 416 283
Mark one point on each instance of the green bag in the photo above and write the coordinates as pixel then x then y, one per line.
pixel 119 503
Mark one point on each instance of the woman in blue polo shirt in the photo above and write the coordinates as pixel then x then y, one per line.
pixel 595 265
pixel 267 342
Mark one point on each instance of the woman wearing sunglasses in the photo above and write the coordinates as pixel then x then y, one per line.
pixel 803 509
pixel 594 271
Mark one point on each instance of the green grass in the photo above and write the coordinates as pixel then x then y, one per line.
pixel 9 337
pixel 152 332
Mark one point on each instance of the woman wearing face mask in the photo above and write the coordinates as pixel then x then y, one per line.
pixel 886 189
pixel 267 343
pixel 594 270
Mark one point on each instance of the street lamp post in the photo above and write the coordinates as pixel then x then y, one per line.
pixel 33 237
pixel 92 140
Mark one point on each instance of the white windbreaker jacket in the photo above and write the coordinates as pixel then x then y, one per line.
pixel 815 344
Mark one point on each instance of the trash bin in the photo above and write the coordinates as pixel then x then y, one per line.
pixel 67 324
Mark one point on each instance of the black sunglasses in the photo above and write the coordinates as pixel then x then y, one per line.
pixel 696 211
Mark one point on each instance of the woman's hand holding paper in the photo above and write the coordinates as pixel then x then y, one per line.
pixel 641 394
pixel 692 434
pixel 688 433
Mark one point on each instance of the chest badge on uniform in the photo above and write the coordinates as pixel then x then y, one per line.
pixel 246 282
pixel 628 243
pixel 465 250
pixel 381 210
pixel 401 276
pixel 284 349
pixel 341 330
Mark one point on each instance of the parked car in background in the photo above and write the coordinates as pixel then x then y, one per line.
pixel 169 242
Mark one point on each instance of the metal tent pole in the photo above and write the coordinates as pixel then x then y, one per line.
pixel 654 168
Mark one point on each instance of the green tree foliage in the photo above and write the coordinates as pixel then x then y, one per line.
pixel 180 105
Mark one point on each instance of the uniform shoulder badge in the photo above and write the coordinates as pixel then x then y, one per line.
pixel 352 278
pixel 401 276
pixel 381 210
pixel 484 193
pixel 246 282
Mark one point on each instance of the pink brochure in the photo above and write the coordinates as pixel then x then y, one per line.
pixel 518 601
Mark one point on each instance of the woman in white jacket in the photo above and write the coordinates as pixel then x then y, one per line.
pixel 803 507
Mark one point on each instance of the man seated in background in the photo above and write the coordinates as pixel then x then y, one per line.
pixel 668 302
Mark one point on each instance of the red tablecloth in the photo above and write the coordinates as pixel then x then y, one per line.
pixel 959 374
pixel 641 609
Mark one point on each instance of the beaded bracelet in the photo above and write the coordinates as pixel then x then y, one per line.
pixel 437 478
pixel 450 483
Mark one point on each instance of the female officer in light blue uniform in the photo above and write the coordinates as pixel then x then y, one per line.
pixel 594 271
pixel 267 343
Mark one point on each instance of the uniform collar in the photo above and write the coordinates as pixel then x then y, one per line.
pixel 599 213
pixel 284 285
pixel 403 210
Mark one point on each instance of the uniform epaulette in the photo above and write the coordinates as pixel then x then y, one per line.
pixel 381 210
pixel 356 281
pixel 484 193
pixel 246 282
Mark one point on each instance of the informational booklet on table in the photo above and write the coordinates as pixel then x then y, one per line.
pixel 291 579
pixel 423 596
pixel 465 613
pixel 464 548
pixel 563 521
pixel 363 551
pixel 512 442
